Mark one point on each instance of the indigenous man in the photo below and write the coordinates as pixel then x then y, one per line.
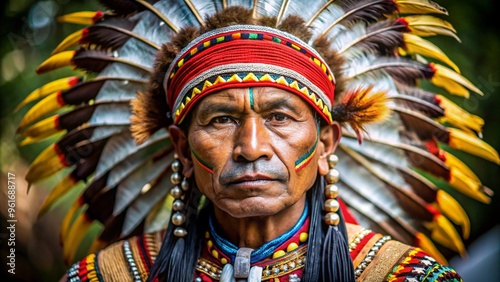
pixel 254 102
pixel 258 150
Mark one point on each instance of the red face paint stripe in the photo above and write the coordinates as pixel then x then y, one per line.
pixel 202 163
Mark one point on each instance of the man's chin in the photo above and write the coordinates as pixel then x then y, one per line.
pixel 251 207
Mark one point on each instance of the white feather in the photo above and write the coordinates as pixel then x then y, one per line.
pixel 143 205
pixel 325 19
pixel 119 147
pixel 111 114
pixel 118 90
pixel 132 177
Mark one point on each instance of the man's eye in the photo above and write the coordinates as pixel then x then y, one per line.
pixel 222 119
pixel 279 117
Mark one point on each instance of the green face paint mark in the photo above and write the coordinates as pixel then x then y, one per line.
pixel 250 96
pixel 202 163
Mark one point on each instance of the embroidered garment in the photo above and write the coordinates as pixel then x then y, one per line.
pixel 375 257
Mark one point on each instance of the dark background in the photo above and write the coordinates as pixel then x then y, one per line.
pixel 29 33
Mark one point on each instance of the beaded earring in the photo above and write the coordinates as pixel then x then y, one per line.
pixel 178 217
pixel 332 192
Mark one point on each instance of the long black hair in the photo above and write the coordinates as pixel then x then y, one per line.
pixel 327 256
pixel 177 258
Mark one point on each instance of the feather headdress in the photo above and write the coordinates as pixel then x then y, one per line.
pixel 377 54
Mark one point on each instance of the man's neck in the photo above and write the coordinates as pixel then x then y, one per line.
pixel 253 232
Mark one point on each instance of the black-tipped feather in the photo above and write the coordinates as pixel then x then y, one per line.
pixel 366 10
pixel 125 7
pixel 422 106
pixel 109 34
pixel 78 153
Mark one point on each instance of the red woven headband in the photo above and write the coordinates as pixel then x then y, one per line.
pixel 246 56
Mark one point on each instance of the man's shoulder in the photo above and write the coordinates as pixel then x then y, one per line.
pixel 379 258
pixel 126 260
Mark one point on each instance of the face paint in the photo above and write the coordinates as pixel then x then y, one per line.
pixel 202 163
pixel 250 96
pixel 306 158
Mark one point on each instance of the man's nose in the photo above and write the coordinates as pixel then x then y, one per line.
pixel 253 141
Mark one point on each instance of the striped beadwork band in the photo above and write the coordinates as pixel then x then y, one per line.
pixel 247 56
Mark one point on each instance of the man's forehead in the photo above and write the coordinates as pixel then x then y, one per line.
pixel 257 95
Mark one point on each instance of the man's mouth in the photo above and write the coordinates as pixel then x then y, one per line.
pixel 251 180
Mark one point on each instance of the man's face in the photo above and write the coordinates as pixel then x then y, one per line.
pixel 246 147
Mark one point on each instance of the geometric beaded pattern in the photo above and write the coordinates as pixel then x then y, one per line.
pixel 418 266
pixel 285 265
pixel 271 269
pixel 250 36
pixel 85 270
pixel 370 255
pixel 286 260
pixel 243 77
pixel 136 254
pixel 357 239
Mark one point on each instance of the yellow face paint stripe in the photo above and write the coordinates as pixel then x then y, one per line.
pixel 305 159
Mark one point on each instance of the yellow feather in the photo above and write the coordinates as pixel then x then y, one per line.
pixel 425 25
pixel 418 45
pixel 473 145
pixel 68 218
pixel 460 117
pixel 450 86
pixel 72 241
pixel 70 41
pixel 30 140
pixel 419 7
pixel 44 107
pixel 64 186
pixel 47 154
pixel 59 60
pixel 451 80
pixel 444 233
pixel 84 17
pixel 456 163
pixel 54 86
pixel 447 205
pixel 428 246
pixel 42 129
pixel 467 186
pixel 44 169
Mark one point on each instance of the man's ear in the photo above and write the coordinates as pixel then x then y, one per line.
pixel 181 144
pixel 329 140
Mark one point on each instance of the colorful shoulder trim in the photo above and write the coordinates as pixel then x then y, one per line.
pixel 128 260
pixel 378 258
pixel 418 266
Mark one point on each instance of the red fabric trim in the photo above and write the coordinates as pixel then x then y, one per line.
pixel 354 253
pixel 221 87
pixel 348 216
pixel 249 51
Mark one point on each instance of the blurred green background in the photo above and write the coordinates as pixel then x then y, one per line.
pixel 29 32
